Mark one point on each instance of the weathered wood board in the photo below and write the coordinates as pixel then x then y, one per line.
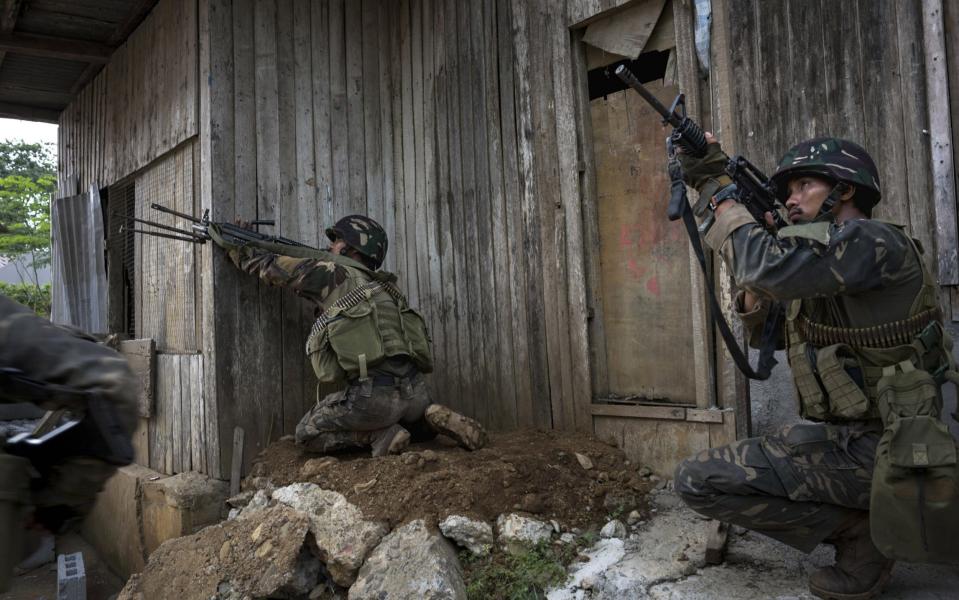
pixel 644 256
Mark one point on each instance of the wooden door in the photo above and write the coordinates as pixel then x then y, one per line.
pixel 645 266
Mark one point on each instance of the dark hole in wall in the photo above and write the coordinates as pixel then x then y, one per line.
pixel 650 66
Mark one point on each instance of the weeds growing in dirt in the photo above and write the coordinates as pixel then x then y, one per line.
pixel 523 575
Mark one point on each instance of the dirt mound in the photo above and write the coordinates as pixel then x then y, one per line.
pixel 527 471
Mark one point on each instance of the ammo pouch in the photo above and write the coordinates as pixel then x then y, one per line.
pixel 353 335
pixel 914 506
pixel 826 383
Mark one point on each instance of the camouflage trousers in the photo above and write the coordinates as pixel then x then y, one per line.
pixel 358 415
pixel 796 486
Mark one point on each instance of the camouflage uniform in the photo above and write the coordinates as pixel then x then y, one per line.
pixel 46 353
pixel 800 485
pixel 392 396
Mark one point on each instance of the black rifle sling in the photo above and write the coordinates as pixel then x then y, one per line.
pixel 767 360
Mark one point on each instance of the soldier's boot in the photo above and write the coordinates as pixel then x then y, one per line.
pixel 392 440
pixel 467 432
pixel 860 572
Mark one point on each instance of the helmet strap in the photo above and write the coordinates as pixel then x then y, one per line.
pixel 830 202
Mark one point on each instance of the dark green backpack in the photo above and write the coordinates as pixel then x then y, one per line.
pixel 914 507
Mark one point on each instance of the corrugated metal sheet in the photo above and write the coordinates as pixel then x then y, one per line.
pixel 79 277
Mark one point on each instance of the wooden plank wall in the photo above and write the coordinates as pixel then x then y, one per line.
pixel 452 123
pixel 141 105
pixel 166 274
pixel 176 431
pixel 860 75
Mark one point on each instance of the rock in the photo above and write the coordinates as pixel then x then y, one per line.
pixel 645 472
pixel 618 501
pixel 429 456
pixel 476 536
pixel 532 503
pixel 411 562
pixel 584 461
pixel 410 458
pixel 362 487
pixel 241 499
pixel 655 480
pixel 260 483
pixel 555 524
pixel 343 537
pixel 515 528
pixel 660 485
pixel 634 518
pixel 602 477
pixel 613 529
pixel 259 501
pixel 568 538
pixel 315 466
pixel 225 562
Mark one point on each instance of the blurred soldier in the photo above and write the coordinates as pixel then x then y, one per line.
pixel 859 301
pixel 51 481
pixel 366 336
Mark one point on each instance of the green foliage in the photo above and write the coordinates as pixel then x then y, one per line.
pixel 525 575
pixel 27 179
pixel 28 294
pixel 32 161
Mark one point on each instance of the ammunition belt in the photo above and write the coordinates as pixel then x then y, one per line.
pixel 351 299
pixel 887 335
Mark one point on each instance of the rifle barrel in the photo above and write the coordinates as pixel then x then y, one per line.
pixel 168 236
pixel 162 208
pixel 154 224
pixel 629 79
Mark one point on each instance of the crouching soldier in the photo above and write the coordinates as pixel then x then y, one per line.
pixel 51 481
pixel 874 472
pixel 367 337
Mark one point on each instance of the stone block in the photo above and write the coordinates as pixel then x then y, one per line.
pixel 113 526
pixel 71 577
pixel 180 505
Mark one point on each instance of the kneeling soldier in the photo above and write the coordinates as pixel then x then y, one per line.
pixel 366 336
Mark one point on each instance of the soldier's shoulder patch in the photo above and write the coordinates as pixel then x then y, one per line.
pixel 817 232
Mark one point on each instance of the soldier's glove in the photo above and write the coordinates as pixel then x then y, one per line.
pixel 707 175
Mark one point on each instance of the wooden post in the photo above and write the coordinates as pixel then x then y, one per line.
pixel 940 141
pixel 237 461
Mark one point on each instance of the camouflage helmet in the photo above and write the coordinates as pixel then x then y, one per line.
pixel 831 158
pixel 363 234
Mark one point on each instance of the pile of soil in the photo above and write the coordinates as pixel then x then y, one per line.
pixel 533 472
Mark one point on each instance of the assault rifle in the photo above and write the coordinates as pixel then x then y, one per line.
pixel 199 231
pixel 753 189
pixel 750 187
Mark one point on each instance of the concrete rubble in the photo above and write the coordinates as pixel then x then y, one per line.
pixel 301 541
pixel 342 536
pixel 663 560
pixel 475 536
pixel 517 529
pixel 411 562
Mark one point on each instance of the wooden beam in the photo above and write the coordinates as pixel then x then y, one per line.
pixel 8 18
pixel 639 411
pixel 88 74
pixel 136 15
pixel 14 92
pixel 28 113
pixel 50 47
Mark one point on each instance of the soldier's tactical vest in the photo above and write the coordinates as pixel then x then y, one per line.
pixel 890 369
pixel 369 322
